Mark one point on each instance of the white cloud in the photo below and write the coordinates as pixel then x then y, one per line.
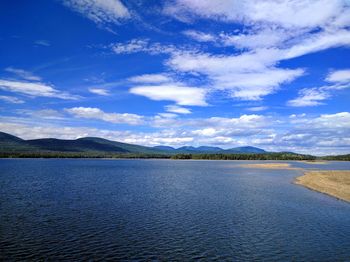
pixel 182 95
pixel 30 131
pixel 99 91
pixel 317 42
pixel 275 31
pixel 35 89
pixel 11 99
pixel 339 76
pixel 314 96
pixel 177 109
pixel 248 76
pixel 309 97
pixel 263 38
pixel 23 74
pixel 43 114
pixel 199 36
pixel 151 78
pixel 42 42
pixel 288 14
pixel 324 134
pixel 166 115
pixel 142 45
pixel 133 46
pixel 100 11
pixel 96 113
pixel 257 108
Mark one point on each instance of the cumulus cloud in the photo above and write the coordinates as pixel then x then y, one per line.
pixel 100 11
pixel 323 134
pixel 96 113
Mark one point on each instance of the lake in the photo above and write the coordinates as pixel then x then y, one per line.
pixel 162 210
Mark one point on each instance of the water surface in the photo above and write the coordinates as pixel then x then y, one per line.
pixel 165 210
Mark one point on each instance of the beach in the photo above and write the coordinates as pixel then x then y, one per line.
pixel 335 183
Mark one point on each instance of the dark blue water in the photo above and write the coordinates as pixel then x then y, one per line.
pixel 164 210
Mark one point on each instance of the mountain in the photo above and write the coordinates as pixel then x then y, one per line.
pixel 198 150
pixel 9 143
pixel 96 145
pixel 246 149
pixel 165 148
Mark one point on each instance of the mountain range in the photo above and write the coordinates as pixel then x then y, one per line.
pixel 10 143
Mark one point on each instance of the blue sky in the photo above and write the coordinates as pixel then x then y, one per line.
pixel 272 74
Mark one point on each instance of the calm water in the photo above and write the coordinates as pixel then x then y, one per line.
pixel 165 210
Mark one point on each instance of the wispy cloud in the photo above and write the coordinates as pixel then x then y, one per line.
pixel 274 31
pixel 11 99
pixel 248 76
pixel 143 45
pixel 177 109
pixel 287 14
pixel 42 43
pixel 35 89
pixel 50 114
pixel 96 113
pixel 339 76
pixel 315 96
pixel 257 108
pixel 100 11
pixel 309 97
pixel 199 36
pixel 151 78
pixel 99 91
pixel 182 95
pixel 24 74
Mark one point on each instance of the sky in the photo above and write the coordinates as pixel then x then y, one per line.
pixel 272 74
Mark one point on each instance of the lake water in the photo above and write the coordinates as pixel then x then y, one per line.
pixel 164 210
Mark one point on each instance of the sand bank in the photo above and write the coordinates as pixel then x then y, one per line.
pixel 269 166
pixel 335 183
pixel 314 162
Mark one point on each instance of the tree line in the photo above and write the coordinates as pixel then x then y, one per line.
pixel 266 156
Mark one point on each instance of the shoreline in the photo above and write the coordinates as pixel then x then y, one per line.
pixel 334 183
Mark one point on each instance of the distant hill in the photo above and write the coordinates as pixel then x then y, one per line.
pixel 246 149
pixel 96 145
pixel 10 143
pixel 211 149
pixel 12 146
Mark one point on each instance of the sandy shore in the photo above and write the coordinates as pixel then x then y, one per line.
pixel 269 166
pixel 313 162
pixel 335 183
